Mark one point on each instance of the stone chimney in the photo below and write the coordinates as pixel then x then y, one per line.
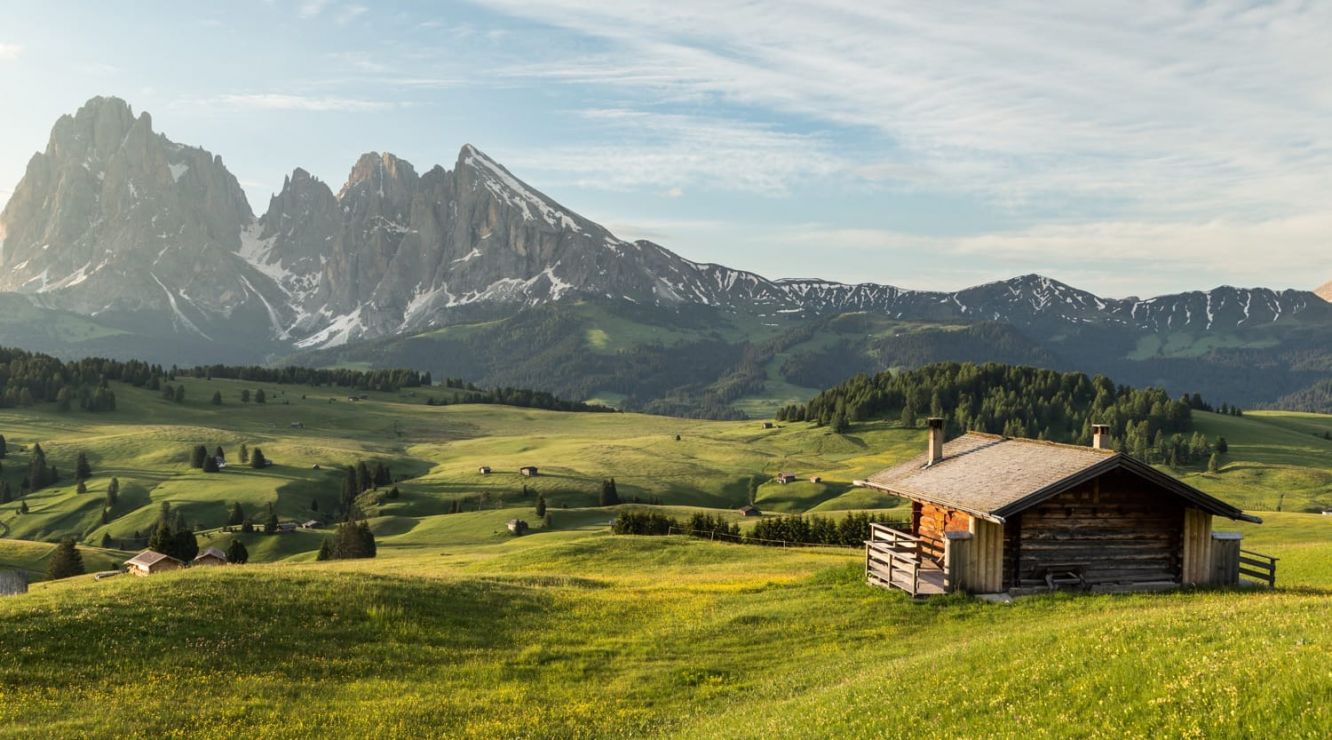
pixel 1101 436
pixel 936 426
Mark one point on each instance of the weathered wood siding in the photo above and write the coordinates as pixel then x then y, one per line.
pixel 1197 556
pixel 1121 527
pixel 986 567
pixel 929 522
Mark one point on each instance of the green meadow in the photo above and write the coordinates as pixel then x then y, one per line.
pixel 459 629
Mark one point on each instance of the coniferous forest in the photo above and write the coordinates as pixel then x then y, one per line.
pixel 1018 401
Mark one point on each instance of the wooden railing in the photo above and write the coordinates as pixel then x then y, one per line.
pixel 1258 566
pixel 892 558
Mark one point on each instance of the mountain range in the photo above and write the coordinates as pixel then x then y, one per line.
pixel 120 241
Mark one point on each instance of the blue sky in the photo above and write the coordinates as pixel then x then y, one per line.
pixel 1137 149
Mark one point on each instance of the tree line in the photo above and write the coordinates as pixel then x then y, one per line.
pixel 849 531
pixel 1014 401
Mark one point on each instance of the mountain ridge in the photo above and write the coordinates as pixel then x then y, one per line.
pixel 117 222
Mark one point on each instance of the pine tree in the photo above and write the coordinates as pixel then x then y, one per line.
pixel 271 523
pixel 186 545
pixel 39 475
pixel 325 551
pixel 180 394
pixel 245 396
pixel 197 456
pixel 260 396
pixel 82 470
pixel 6 495
pixel 237 515
pixel 107 542
pixel 64 398
pixel 162 539
pixel 541 506
pixel 66 562
pixel 364 481
pixel 257 459
pixel 210 464
pixel 81 487
pixel 609 495
pixel 23 507
pixel 113 492
pixel 314 504
pixel 394 493
pixel 4 446
pixel 217 398
pixel 237 554
pixel 244 454
pixel 1222 446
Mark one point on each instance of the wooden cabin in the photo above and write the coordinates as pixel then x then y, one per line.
pixel 750 510
pixel 484 470
pixel 993 514
pixel 149 563
pixel 210 556
pixel 768 425
pixel 517 526
pixel 528 471
pixel 13 582
pixel 784 478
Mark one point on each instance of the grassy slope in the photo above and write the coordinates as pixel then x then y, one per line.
pixel 459 629
pixel 578 633
pixel 146 445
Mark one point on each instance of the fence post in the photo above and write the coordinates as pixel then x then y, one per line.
pixel 1225 558
pixel 957 546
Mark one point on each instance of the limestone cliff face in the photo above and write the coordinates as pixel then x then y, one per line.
pixel 117 221
pixel 113 219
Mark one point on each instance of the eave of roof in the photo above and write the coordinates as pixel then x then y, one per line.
pixel 1111 462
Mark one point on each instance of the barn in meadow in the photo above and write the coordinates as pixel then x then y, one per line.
pixel 994 514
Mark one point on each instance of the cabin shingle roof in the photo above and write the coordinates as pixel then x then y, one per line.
pixel 148 558
pixel 213 551
pixel 993 477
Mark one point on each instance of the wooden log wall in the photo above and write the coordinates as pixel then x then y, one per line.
pixel 1124 529
pixel 930 523
pixel 986 555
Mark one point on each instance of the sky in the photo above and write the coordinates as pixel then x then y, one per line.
pixel 1125 148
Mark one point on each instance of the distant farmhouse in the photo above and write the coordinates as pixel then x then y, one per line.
pixel 149 563
pixel 210 556
pixel 750 510
pixel 529 471
pixel 992 514
pixel 784 478
pixel 484 470
pixel 13 582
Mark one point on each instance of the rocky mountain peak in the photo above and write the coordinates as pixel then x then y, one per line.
pixel 1325 292
pixel 384 175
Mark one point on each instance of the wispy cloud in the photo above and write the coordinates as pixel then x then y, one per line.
pixel 10 51
pixel 1172 107
pixel 280 101
pixel 311 8
pixel 669 152
pixel 348 13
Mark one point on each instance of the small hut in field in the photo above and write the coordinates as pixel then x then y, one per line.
pixel 994 514
pixel 13 582
pixel 149 563
pixel 750 510
pixel 210 556
pixel 484 470
pixel 517 526
pixel 528 471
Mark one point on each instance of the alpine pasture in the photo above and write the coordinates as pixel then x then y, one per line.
pixel 458 628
